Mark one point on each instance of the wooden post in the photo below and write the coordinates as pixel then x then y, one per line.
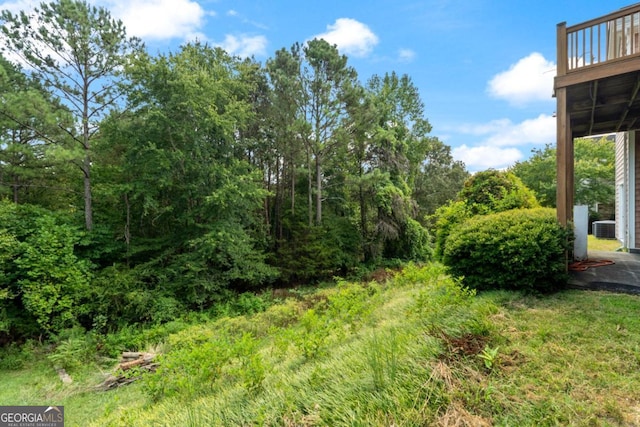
pixel 561 156
pixel 561 49
pixel 565 160
pixel 564 135
pixel 569 167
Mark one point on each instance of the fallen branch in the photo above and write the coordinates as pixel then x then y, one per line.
pixel 125 373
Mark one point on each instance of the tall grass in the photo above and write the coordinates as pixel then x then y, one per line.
pixel 419 349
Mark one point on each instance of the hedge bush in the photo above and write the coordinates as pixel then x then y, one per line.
pixel 494 191
pixel 44 285
pixel 484 193
pixel 517 249
pixel 446 219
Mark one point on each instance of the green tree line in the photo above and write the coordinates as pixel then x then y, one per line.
pixel 135 187
pixel 594 173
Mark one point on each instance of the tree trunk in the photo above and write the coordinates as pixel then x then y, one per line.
pixel 88 203
pixel 309 188
pixel 318 191
pixel 267 200
pixel 292 169
pixel 15 186
pixel 363 214
pixel 86 144
pixel 127 226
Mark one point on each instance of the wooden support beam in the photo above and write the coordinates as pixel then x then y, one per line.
pixel 594 97
pixel 600 126
pixel 561 49
pixel 561 155
pixel 569 167
pixel 587 105
pixel 562 123
pixel 627 64
pixel 631 101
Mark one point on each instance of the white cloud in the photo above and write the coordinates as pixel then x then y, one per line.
pixel 486 157
pixel 528 80
pixel 493 126
pixel 504 132
pixel 166 19
pixel 406 55
pixel 159 19
pixel 494 144
pixel 17 6
pixel 147 19
pixel 498 139
pixel 245 46
pixel 351 37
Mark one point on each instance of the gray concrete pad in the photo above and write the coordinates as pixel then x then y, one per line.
pixel 622 275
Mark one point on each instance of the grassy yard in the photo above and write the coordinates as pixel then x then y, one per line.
pixel 416 350
pixel 596 244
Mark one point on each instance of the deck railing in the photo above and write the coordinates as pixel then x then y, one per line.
pixel 606 39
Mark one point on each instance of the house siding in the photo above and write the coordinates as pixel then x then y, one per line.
pixel 634 218
pixel 621 183
pixel 627 181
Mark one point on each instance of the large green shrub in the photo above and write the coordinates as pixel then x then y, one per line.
pixel 413 243
pixel 446 218
pixel 483 193
pixel 53 282
pixel 43 283
pixel 516 249
pixel 494 191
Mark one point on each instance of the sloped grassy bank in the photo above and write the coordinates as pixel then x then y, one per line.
pixel 418 349
pixel 355 354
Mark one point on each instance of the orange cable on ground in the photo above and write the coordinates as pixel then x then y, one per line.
pixel 583 265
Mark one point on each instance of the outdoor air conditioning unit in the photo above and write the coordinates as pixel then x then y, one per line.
pixel 604 229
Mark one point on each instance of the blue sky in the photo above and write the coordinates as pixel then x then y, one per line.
pixel 484 68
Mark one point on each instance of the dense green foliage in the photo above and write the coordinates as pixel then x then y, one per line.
pixel 521 249
pixel 494 191
pixel 483 193
pixel 43 284
pixel 315 352
pixel 195 174
pixel 416 349
pixel 154 203
pixel 77 51
pixel 30 121
pixel 446 219
pixel 594 169
pixel 494 236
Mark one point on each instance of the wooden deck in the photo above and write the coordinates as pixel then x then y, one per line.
pixel 597 87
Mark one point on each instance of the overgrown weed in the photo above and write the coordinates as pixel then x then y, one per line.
pixel 419 350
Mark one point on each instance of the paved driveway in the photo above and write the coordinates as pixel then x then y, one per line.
pixel 610 271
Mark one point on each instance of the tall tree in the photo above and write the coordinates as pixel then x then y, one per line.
pixel 440 178
pixel 30 122
pixel 396 146
pixel 400 144
pixel 78 51
pixel 187 181
pixel 286 130
pixel 594 172
pixel 539 174
pixel 328 87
